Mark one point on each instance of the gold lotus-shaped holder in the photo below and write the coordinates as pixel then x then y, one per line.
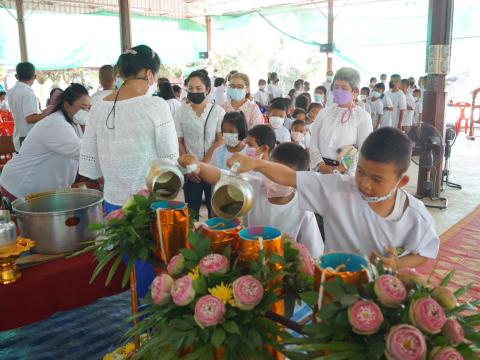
pixel 9 272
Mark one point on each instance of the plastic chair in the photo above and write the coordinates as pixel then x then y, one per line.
pixel 458 124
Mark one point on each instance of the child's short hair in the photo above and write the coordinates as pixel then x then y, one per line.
pixel 219 81
pixel 387 145
pixel 380 86
pixel 279 104
pixel 313 106
pixel 298 111
pixel 417 91
pixel 365 88
pixel 237 119
pixel 321 88
pixel 176 89
pixel 262 81
pixel 299 123
pixel 301 102
pixel 405 82
pixel 292 155
pixel 2 93
pixel 263 135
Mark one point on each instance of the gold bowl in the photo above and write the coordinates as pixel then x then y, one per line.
pixel 9 272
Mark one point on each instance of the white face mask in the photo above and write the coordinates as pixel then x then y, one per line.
pixel 231 140
pixel 416 98
pixel 276 121
pixel 362 97
pixel 376 94
pixel 297 136
pixel 152 89
pixel 275 190
pixel 261 87
pixel 252 153
pixel 377 199
pixel 81 117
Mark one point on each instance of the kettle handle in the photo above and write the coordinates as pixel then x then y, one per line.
pixel 234 168
pixel 189 169
pixel 6 204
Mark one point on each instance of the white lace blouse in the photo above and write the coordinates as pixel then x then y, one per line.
pixel 143 130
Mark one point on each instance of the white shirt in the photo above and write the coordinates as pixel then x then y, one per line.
pixel 288 122
pixel 274 90
pixel 352 226
pixel 329 133
pixel 376 109
pixel 23 103
pixel 328 85
pixel 219 95
pixel 418 111
pixel 221 155
pixel 261 97
pixel 387 114
pixel 4 105
pixel 287 218
pixel 143 131
pixel 47 160
pixel 174 105
pixel 282 134
pixel 197 136
pixel 365 106
pixel 99 95
pixel 399 102
pixel 408 115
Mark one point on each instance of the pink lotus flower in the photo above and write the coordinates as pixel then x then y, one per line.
pixel 365 317
pixel 427 315
pixel 182 291
pixel 307 263
pixel 247 292
pixel 445 297
pixel 209 311
pixel 161 287
pixel 453 332
pixel 405 342
pixel 390 291
pixel 445 353
pixel 144 193
pixel 176 265
pixel 115 214
pixel 213 263
pixel 410 278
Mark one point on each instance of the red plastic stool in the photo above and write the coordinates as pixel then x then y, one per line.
pixel 458 125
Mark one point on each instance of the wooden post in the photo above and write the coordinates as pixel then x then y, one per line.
pixel 125 27
pixel 208 22
pixel 134 302
pixel 330 35
pixel 21 30
pixel 439 35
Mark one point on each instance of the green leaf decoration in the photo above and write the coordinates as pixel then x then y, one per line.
pixel 329 311
pixel 460 292
pixel 218 337
pixel 231 327
pixel 447 278
pixel 310 297
pixel 348 299
pixel 200 285
pixel 113 269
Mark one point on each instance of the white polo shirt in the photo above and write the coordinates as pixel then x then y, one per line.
pixel 275 90
pixel 23 103
pixel 352 226
pixel 48 158
pixel 282 134
pixel 408 116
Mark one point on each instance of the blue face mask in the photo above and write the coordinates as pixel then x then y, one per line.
pixel 236 94
pixel 319 98
pixel 118 83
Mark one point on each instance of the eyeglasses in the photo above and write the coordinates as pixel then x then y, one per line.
pixel 233 86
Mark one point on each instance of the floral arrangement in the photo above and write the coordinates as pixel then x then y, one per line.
pixel 395 316
pixel 207 306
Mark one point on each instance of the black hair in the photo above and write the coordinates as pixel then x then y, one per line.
pixel 262 81
pixel 298 83
pixel 136 59
pixel 391 85
pixel 204 71
pixel 237 119
pixel 292 155
pixel 366 88
pixel 313 106
pixel 70 95
pixel 415 91
pixel 25 71
pixel 383 75
pixel 373 79
pixel 53 90
pixel 272 76
pixel 301 101
pixel 298 122
pixel 298 111
pixel 380 86
pixel 176 88
pixel 264 135
pixel 288 102
pixel 388 145
pixel 322 88
pixel 292 92
pixel 396 76
pixel 218 82
pixel 203 76
pixel 405 82
pixel 165 90
pixel 279 104
pixel 309 97
pixel 2 93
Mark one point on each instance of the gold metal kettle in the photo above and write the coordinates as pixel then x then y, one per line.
pixel 165 179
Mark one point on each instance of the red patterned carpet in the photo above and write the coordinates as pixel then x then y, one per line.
pixel 459 250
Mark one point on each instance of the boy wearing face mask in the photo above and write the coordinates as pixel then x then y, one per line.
pixel 261 96
pixel 410 102
pixel 278 114
pixel 362 99
pixel 260 142
pixel 417 115
pixel 274 205
pixel 369 214
pixel 376 106
pixel 298 133
pixel 234 131
pixel 319 95
pixel 328 84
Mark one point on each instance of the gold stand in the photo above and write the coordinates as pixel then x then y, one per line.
pixel 9 272
pixel 134 302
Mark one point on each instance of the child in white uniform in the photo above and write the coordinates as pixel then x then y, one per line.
pixel 408 116
pixel 417 114
pixel 273 204
pixel 276 119
pixel 369 214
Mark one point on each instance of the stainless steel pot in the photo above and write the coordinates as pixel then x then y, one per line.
pixel 58 220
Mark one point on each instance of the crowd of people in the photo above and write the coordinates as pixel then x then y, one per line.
pixel 287 143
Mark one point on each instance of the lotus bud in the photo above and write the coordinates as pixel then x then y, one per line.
pixel 445 297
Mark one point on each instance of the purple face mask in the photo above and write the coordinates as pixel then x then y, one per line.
pixel 342 97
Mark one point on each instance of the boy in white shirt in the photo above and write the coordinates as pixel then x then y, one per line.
pixel 273 204
pixel 417 114
pixel 261 96
pixel 408 116
pixel 387 106
pixel 399 102
pixel 370 214
pixel 298 132
pixel 376 106
pixel 277 118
